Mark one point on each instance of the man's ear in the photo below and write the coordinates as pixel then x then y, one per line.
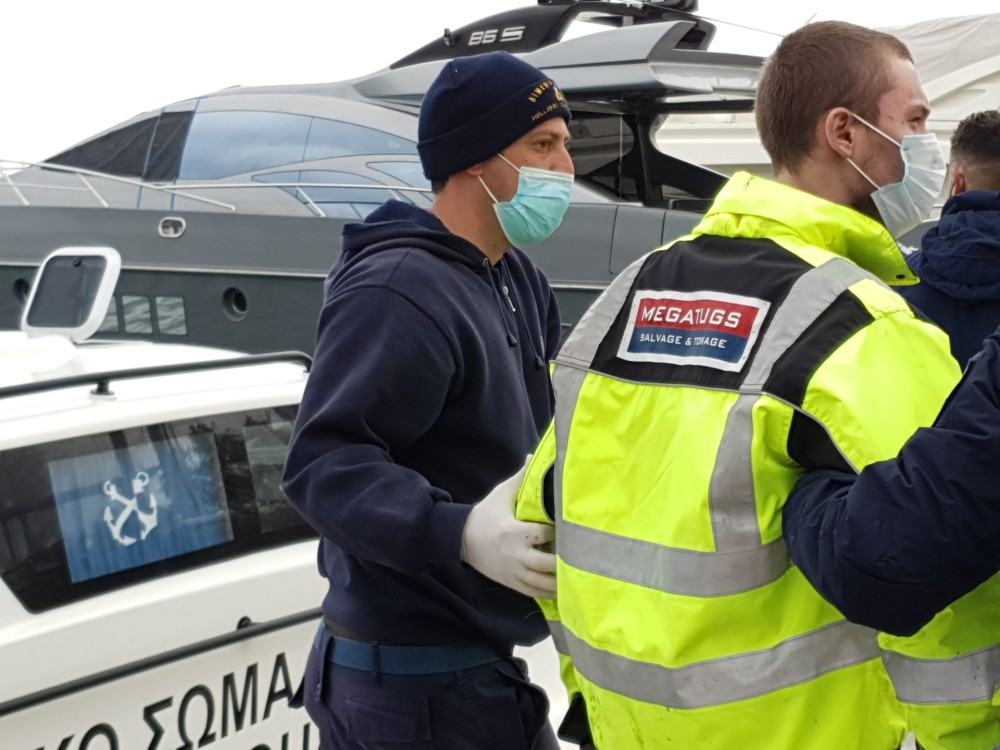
pixel 957 179
pixel 476 169
pixel 837 129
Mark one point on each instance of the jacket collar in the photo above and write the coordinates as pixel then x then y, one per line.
pixel 972 200
pixel 749 206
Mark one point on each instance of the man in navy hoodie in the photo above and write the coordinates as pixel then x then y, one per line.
pixel 430 386
pixel 959 259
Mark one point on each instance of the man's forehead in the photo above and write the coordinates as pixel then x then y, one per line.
pixel 905 96
pixel 554 126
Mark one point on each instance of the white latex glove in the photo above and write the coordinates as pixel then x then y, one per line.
pixel 505 549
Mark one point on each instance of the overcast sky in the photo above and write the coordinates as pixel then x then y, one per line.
pixel 71 68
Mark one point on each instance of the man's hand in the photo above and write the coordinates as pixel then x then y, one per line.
pixel 506 550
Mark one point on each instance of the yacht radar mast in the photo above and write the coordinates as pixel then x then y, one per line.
pixel 527 29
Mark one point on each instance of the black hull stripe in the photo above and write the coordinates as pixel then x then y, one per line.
pixel 126 670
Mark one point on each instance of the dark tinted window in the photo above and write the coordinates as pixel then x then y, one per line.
pixel 150 149
pixel 121 152
pixel 92 514
pixel 168 145
pixel 223 144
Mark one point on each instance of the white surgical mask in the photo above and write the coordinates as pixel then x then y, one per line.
pixel 538 207
pixel 904 204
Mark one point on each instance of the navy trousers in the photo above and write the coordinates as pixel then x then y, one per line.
pixel 492 707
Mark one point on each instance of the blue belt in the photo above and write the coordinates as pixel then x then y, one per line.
pixel 377 658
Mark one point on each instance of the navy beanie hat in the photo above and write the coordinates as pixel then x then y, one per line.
pixel 479 105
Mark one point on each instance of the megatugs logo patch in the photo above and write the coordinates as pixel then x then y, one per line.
pixel 712 329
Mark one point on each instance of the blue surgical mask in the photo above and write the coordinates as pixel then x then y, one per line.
pixel 904 204
pixel 537 208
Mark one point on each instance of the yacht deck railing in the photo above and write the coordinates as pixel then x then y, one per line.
pixel 9 168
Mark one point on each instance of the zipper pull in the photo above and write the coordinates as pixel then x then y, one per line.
pixel 506 296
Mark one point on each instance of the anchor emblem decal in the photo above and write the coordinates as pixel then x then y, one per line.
pixel 148 520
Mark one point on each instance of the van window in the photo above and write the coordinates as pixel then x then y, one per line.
pixel 147 501
pixel 92 514
pixel 267 448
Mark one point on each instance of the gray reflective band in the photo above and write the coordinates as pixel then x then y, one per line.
pixel 558 636
pixel 581 344
pixel 672 570
pixel 566 384
pixel 808 298
pixel 725 680
pixel 963 679
pixel 731 499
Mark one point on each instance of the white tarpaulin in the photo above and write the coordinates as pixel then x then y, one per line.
pixel 944 45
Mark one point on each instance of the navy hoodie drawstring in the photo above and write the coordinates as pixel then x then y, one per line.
pixel 511 338
pixel 515 305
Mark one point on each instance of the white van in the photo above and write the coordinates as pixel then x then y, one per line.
pixel 156 589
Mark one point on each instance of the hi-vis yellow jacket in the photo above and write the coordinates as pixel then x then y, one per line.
pixel 689 399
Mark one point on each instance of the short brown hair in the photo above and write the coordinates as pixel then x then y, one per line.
pixel 975 144
pixel 816 68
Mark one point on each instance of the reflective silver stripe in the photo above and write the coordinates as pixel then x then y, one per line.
pixel 727 679
pixel 963 679
pixel 672 570
pixel 731 498
pixel 566 384
pixel 582 342
pixel 558 636
pixel 808 298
